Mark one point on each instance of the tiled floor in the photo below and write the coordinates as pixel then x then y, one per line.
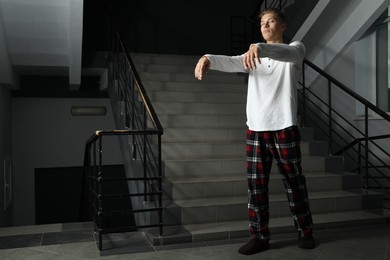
pixel 76 241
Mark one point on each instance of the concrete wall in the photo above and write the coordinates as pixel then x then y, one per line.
pixel 180 27
pixel 45 134
pixel 351 59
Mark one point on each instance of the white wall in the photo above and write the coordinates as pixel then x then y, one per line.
pixel 355 67
pixel 45 134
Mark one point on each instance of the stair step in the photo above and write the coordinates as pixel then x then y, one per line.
pixel 186 77
pixel 197 97
pixel 233 209
pixel 174 60
pixel 236 186
pixel 203 150
pixel 198 108
pixel 239 229
pixel 233 167
pixel 165 68
pixel 197 86
pixel 190 134
pixel 169 68
pixel 283 225
pixel 205 134
pixel 196 121
pixel 223 149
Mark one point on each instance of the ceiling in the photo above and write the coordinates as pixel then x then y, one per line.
pixel 40 37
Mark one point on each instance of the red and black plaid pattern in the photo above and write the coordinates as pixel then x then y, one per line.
pixel 284 147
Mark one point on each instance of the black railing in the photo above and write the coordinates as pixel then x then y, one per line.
pixel 100 200
pixel 364 152
pixel 140 136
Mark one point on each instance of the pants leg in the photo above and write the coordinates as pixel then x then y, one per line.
pixel 286 151
pixel 258 165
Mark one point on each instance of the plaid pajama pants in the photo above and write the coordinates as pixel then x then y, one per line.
pixel 284 147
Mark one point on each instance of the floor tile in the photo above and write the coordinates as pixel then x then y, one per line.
pixel 67 237
pixel 356 242
pixel 20 241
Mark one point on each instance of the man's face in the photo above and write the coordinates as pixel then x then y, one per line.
pixel 271 28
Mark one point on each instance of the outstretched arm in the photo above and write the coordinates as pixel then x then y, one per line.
pixel 219 62
pixel 294 53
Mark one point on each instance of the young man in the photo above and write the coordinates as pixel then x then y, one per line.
pixel 272 133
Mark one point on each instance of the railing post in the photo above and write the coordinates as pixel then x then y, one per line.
pixel 366 142
pixel 145 168
pixel 160 184
pixel 99 193
pixel 360 158
pixel 330 115
pixel 144 154
pixel 133 127
pixel 303 116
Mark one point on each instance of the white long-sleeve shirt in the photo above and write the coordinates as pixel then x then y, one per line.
pixel 272 86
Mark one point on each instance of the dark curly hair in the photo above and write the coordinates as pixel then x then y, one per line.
pixel 278 13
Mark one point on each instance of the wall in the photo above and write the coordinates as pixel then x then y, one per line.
pixel 180 27
pixel 5 150
pixel 355 67
pixel 45 134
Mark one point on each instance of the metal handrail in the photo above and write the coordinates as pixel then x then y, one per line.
pixel 137 119
pixel 348 90
pixel 139 84
pixel 93 179
pixel 363 142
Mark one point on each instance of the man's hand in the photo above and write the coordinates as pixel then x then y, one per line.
pixel 202 67
pixel 251 56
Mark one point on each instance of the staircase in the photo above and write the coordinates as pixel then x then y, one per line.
pixel 203 149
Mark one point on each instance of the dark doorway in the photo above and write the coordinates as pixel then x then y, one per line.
pixel 57 194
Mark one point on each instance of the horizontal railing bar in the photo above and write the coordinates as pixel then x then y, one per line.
pixel 120 196
pixel 100 196
pixel 99 133
pixel 125 229
pixel 128 132
pixel 97 179
pixel 127 212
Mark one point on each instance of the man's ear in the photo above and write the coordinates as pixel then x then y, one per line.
pixel 284 26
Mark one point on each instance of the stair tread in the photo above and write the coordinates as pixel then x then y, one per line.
pixel 272 197
pixel 218 142
pixel 318 219
pixel 243 177
pixel 231 159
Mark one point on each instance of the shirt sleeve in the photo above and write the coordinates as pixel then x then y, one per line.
pixel 226 63
pixel 293 52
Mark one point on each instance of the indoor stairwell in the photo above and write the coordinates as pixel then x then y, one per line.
pixel 203 149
